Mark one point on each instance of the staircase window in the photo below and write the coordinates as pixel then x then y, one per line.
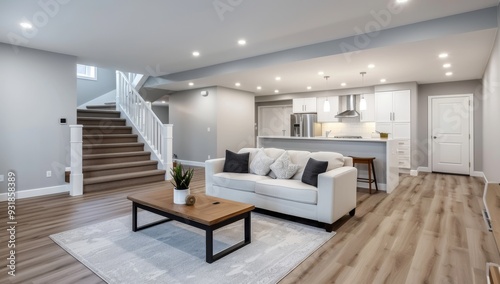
pixel 86 72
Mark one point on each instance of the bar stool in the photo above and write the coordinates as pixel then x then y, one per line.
pixel 371 170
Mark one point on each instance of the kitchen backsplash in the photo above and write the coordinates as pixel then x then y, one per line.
pixel 364 129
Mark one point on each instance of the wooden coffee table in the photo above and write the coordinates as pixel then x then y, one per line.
pixel 208 213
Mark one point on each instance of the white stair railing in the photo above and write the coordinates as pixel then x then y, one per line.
pixel 139 112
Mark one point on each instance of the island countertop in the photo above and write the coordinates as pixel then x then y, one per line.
pixel 382 140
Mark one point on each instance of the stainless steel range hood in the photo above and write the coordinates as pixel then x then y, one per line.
pixel 350 107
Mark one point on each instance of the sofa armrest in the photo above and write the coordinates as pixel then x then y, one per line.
pixel 336 193
pixel 212 167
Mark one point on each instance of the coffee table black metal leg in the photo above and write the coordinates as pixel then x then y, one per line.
pixel 134 217
pixel 248 230
pixel 209 241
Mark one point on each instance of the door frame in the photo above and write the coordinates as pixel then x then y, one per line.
pixel 471 128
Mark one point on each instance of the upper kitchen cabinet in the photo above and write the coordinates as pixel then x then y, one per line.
pixel 392 106
pixel 334 109
pixel 304 105
pixel 368 115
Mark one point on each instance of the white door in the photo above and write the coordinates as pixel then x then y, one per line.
pixel 450 135
pixel 274 121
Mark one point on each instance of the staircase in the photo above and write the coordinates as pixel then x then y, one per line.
pixel 112 156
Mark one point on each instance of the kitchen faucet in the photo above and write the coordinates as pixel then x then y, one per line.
pixel 328 133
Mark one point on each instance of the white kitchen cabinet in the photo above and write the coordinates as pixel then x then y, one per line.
pixel 304 105
pixel 368 114
pixel 392 106
pixel 334 109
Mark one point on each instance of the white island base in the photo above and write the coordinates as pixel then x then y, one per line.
pixel 383 150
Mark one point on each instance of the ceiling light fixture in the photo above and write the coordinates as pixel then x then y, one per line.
pixel 326 104
pixel 26 25
pixel 343 84
pixel 449 73
pixel 401 1
pixel 446 65
pixel 196 53
pixel 321 73
pixel 443 55
pixel 362 102
pixel 191 83
pixel 371 66
pixel 237 84
pixel 259 88
pixel 242 42
pixel 309 87
pixel 276 91
pixel 163 102
pixel 278 78
pixel 382 80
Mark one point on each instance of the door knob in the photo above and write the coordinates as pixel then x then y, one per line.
pixel 434 137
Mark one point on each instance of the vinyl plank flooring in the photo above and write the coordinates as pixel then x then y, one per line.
pixel 429 230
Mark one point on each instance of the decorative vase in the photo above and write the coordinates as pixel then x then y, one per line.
pixel 180 195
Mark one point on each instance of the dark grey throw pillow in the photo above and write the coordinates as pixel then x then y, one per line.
pixel 312 170
pixel 236 163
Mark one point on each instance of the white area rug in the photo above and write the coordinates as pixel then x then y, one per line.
pixel 175 253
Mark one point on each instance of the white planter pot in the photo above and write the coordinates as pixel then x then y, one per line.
pixel 180 195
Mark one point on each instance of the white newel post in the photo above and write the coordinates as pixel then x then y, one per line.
pixel 76 176
pixel 118 90
pixel 167 136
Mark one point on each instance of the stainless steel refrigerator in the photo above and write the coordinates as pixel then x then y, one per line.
pixel 304 125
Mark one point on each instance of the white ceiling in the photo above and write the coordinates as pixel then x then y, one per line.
pixel 157 37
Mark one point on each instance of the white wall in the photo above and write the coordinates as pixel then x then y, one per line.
pixel 235 120
pixel 88 90
pixel 491 114
pixel 38 88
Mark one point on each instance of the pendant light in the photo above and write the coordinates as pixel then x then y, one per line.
pixel 326 105
pixel 362 103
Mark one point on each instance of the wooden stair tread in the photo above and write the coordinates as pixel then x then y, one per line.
pixel 118 165
pixel 112 145
pixel 126 176
pixel 100 118
pixel 90 127
pixel 115 155
pixel 110 136
pixel 103 111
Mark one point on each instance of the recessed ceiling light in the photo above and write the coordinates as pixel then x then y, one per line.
pixel 259 88
pixel 443 55
pixel 196 53
pixel 321 73
pixel 276 91
pixel 343 84
pixel 449 73
pixel 163 102
pixel 309 87
pixel 191 83
pixel 242 42
pixel 446 65
pixel 371 66
pixel 26 25
pixel 401 1
pixel 278 78
pixel 237 84
pixel 382 80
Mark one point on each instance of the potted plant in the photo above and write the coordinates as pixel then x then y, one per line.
pixel 181 179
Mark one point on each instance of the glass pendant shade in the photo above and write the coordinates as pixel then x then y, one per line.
pixel 326 106
pixel 362 104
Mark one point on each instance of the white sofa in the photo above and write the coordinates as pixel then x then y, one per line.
pixel 334 197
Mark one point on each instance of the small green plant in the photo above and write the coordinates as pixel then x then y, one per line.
pixel 180 177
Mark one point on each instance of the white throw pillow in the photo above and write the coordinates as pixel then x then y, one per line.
pixel 261 163
pixel 283 167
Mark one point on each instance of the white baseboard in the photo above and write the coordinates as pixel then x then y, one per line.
pixel 414 173
pixel 192 163
pixel 37 192
pixel 424 169
pixel 478 174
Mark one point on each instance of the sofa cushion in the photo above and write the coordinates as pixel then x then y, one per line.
pixel 261 164
pixel 299 158
pixel 236 163
pixel 283 168
pixel 289 189
pixel 335 160
pixel 312 170
pixel 244 182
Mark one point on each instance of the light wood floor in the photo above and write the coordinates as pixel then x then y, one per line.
pixel 429 230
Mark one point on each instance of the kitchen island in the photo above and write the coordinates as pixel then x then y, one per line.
pixel 384 151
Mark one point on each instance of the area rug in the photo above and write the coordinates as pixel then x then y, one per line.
pixel 175 253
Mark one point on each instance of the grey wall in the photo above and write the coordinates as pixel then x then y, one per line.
pixel 491 114
pixel 191 114
pixel 161 112
pixel 88 90
pixel 39 88
pixel 442 89
pixel 235 120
